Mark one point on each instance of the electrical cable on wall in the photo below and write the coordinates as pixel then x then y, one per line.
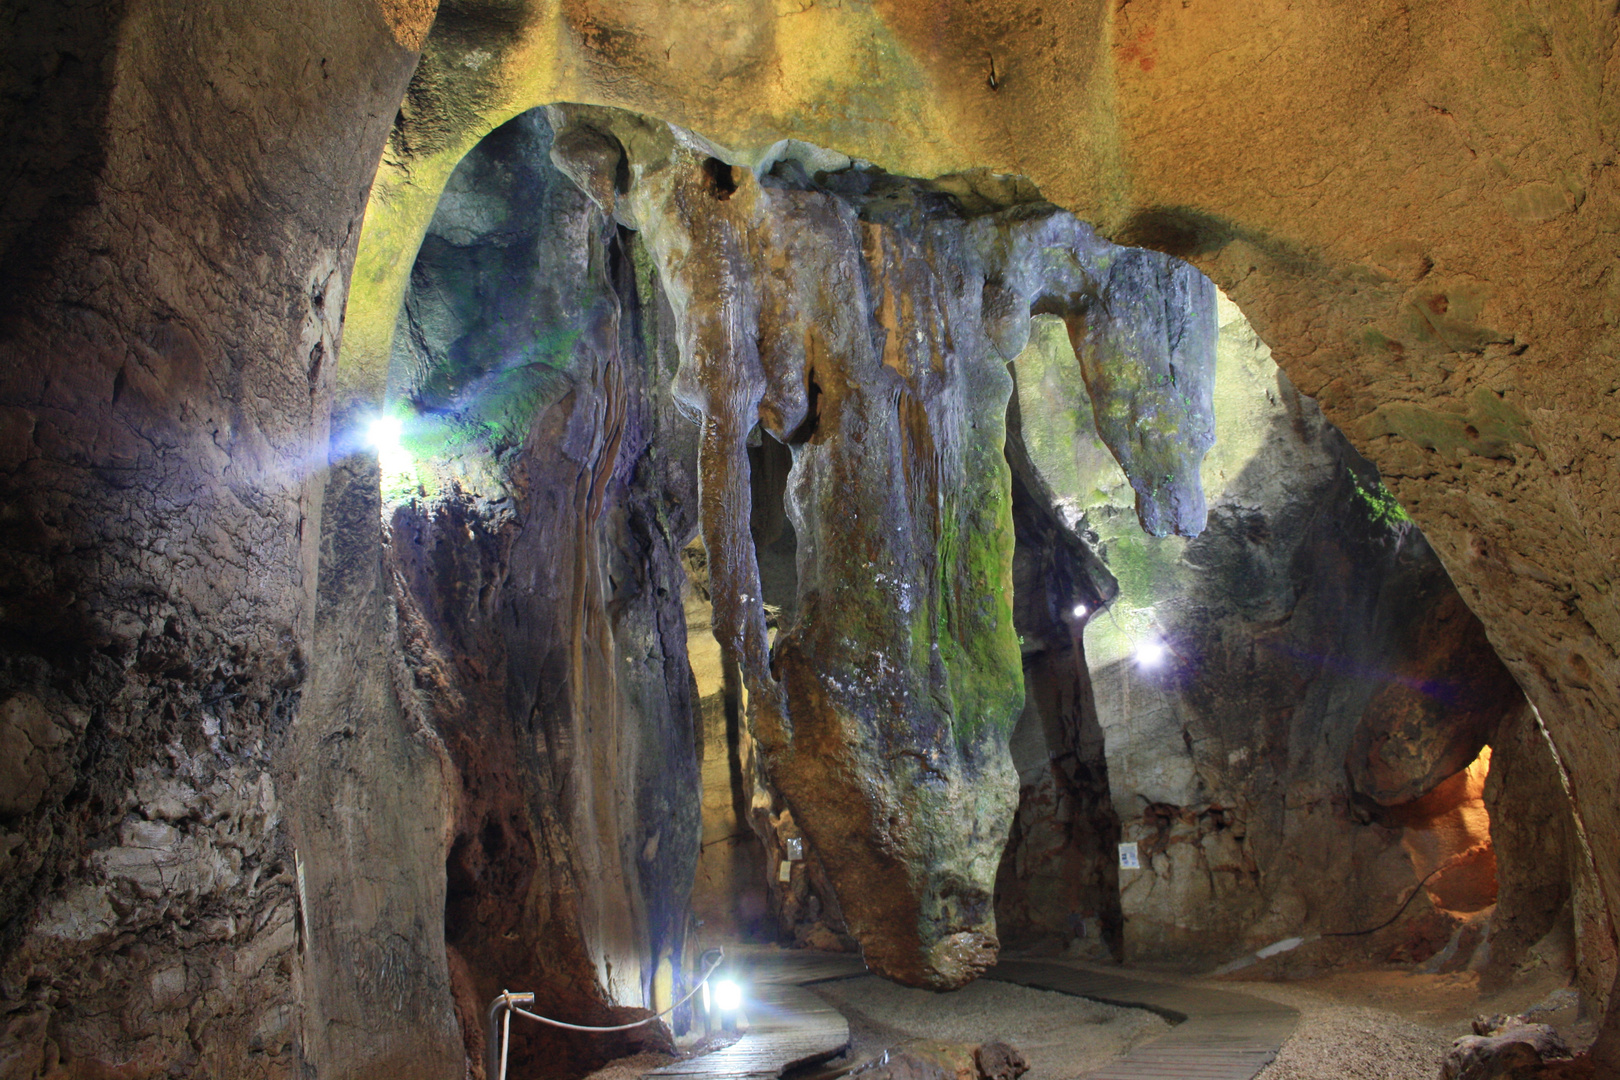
pixel 1289 944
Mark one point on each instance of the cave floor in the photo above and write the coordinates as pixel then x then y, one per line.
pixel 1396 1023
pixel 1387 1024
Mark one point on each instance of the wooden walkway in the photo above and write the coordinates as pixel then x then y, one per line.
pixel 786 1025
pixel 1216 1034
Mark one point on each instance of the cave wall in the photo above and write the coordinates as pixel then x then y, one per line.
pixel 535 530
pixel 181 213
pixel 1230 755
pixel 1316 671
pixel 1549 913
pixel 179 219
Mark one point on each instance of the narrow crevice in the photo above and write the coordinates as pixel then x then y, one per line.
pixel 1057 888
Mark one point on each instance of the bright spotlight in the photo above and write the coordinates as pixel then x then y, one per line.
pixel 384 434
pixel 1151 653
pixel 727 996
pixel 1080 611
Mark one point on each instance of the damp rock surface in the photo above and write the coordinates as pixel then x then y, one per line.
pixel 187 203
pixel 534 526
pixel 866 322
pixel 1421 254
pixel 1266 690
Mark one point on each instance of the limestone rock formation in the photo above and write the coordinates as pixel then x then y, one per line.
pixel 535 532
pixel 1425 249
pixel 1549 910
pixel 1260 686
pixel 230 870
pixel 1413 202
pixel 865 322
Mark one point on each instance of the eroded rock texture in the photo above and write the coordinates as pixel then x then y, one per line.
pixel 1549 910
pixel 1430 249
pixel 1270 688
pixel 535 533
pixel 192 881
pixel 866 322
pixel 1438 226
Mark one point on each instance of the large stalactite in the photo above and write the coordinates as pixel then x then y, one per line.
pixel 866 321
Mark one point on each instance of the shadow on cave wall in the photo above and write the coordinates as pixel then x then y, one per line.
pixel 1057 888
pixel 59 79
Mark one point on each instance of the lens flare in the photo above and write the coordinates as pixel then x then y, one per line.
pixel 1151 653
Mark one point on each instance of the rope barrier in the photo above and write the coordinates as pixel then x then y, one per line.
pixel 508 1003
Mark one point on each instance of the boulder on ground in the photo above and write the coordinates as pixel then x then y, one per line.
pixel 926 1059
pixel 1502 1048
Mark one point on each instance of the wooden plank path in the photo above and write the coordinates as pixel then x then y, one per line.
pixel 786 1024
pixel 1217 1034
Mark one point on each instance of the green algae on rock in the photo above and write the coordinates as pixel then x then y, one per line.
pixel 865 321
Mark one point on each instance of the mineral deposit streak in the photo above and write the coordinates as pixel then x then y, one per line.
pixel 867 322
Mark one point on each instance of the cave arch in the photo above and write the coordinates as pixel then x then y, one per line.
pixel 1415 205
pixel 1401 314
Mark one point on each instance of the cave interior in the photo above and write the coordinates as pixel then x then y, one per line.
pixel 495 497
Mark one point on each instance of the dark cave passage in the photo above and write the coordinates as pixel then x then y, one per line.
pixel 1057 889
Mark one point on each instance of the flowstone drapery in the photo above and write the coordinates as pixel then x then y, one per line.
pixel 866 321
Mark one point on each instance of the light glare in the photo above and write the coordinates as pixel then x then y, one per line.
pixel 1080 611
pixel 384 434
pixel 1150 653
pixel 727 996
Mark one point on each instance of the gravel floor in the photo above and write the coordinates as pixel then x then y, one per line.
pixel 1347 1042
pixel 1061 1036
pixel 1339 1041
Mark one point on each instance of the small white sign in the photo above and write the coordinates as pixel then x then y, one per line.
pixel 784 871
pixel 1128 857
pixel 795 849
